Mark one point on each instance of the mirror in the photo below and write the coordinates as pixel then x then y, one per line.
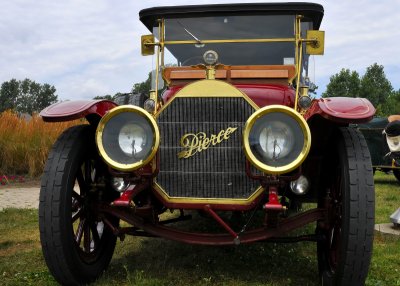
pixel 147 45
pixel 315 47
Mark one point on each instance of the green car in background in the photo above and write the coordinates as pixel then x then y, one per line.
pixel 381 158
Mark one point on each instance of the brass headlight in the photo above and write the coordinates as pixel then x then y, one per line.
pixel 276 139
pixel 127 137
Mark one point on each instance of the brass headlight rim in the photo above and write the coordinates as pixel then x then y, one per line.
pixel 99 134
pixel 295 163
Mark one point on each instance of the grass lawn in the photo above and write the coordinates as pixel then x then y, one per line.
pixel 150 261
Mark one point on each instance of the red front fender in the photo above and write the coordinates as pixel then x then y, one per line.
pixel 342 109
pixel 70 110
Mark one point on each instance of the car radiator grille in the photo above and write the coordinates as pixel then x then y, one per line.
pixel 217 172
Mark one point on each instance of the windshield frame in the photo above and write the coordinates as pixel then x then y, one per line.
pixel 297 40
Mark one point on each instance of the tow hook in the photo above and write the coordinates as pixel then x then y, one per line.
pixel 272 208
pixel 273 201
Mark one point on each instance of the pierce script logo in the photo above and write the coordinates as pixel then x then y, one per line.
pixel 195 143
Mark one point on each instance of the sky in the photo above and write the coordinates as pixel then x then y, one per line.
pixel 91 48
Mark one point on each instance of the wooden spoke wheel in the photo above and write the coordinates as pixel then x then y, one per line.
pixel 77 244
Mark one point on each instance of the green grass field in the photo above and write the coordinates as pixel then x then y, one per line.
pixel 151 261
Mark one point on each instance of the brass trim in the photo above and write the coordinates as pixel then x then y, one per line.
pixel 210 72
pixel 190 42
pixel 99 135
pixel 222 201
pixel 147 43
pixel 316 42
pixel 208 88
pixel 298 56
pixel 160 54
pixel 193 143
pixel 296 99
pixel 233 41
pixel 303 125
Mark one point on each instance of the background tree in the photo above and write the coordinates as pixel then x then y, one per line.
pixel 107 96
pixel 142 87
pixel 375 86
pixel 8 94
pixel 346 83
pixel 391 105
pixel 26 96
pixel 137 88
pixel 111 97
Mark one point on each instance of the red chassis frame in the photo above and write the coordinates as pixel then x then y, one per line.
pixel 144 228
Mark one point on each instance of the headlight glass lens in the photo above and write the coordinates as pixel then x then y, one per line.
pixel 276 139
pixel 128 138
pixel 132 139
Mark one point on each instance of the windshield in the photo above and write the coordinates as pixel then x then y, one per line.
pixel 231 28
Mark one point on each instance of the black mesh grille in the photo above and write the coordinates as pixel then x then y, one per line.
pixel 217 172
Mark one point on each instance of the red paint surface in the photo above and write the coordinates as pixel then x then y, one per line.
pixel 215 205
pixel 337 109
pixel 70 110
pixel 261 94
pixel 126 197
pixel 218 219
pixel 259 234
pixel 342 109
pixel 273 200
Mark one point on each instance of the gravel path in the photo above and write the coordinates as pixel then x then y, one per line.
pixel 23 197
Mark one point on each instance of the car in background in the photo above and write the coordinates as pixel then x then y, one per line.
pixel 381 156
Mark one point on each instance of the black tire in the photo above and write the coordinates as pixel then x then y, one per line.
pixel 136 99
pixel 396 173
pixel 345 254
pixel 76 243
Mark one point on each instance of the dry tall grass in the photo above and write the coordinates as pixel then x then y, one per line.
pixel 25 144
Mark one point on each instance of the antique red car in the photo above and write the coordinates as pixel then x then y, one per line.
pixel 234 135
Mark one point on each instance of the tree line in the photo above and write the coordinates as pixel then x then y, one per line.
pixel 373 85
pixel 141 87
pixel 27 96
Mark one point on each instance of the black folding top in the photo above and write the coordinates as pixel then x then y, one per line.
pixel 312 11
